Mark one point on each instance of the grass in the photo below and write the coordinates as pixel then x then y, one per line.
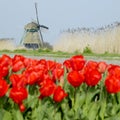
pixel 50 53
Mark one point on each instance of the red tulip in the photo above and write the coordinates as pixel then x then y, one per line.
pixel 91 65
pixel 50 65
pixel 75 78
pixel 18 57
pixel 77 62
pixel 4 71
pixel 5 60
pixel 3 87
pixel 102 66
pixel 67 64
pixel 92 77
pixel 47 88
pixel 28 62
pixel 33 78
pixel 18 94
pixel 22 107
pixel 5 63
pixel 42 61
pixel 18 80
pixel 112 84
pixel 57 73
pixel 17 65
pixel 59 94
pixel 114 70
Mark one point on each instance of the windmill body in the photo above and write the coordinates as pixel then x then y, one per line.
pixel 31 38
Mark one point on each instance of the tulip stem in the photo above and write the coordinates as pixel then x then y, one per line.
pixel 102 91
pixel 74 97
pixel 55 109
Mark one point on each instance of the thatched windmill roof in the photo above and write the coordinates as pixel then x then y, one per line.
pixel 31 25
pixel 31 34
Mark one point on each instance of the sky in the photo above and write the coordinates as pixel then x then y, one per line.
pixel 58 15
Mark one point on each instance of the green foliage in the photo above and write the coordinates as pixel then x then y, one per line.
pixel 87 49
pixel 77 52
pixel 20 50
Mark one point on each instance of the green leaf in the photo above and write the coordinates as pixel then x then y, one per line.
pixel 7 116
pixel 17 115
pixel 79 100
pixel 65 106
pixel 1 114
pixel 115 117
pixel 57 116
pixel 118 97
pixel 37 114
pixel 93 111
pixel 91 93
pixel 102 109
pixel 71 113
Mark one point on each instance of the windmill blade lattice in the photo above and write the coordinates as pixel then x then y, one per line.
pixel 41 37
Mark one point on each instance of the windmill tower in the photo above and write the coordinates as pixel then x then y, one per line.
pixel 32 37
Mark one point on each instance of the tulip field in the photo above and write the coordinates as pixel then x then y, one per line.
pixel 43 89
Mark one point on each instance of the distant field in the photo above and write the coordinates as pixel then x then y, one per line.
pixel 101 40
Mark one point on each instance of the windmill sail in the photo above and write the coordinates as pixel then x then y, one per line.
pixel 41 37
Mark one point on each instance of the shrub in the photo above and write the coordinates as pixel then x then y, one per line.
pixel 87 49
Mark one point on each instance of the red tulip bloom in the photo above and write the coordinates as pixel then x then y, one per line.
pixel 3 87
pixel 92 77
pixel 114 70
pixel 43 78
pixel 112 84
pixel 18 94
pixel 17 65
pixel 59 94
pixel 27 62
pixel 77 62
pixel 18 80
pixel 5 63
pixel 67 64
pixel 42 61
pixel 47 88
pixel 22 107
pixel 57 73
pixel 102 66
pixel 75 78
pixel 112 81
pixel 4 71
pixel 33 78
pixel 18 57
pixel 5 60
pixel 50 65
pixel 91 65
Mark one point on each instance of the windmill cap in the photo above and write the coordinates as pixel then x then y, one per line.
pixel 32 25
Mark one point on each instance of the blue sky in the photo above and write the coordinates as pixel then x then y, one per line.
pixel 58 15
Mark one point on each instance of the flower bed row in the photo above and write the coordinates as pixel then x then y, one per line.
pixel 76 89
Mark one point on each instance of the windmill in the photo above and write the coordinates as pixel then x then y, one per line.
pixel 33 37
